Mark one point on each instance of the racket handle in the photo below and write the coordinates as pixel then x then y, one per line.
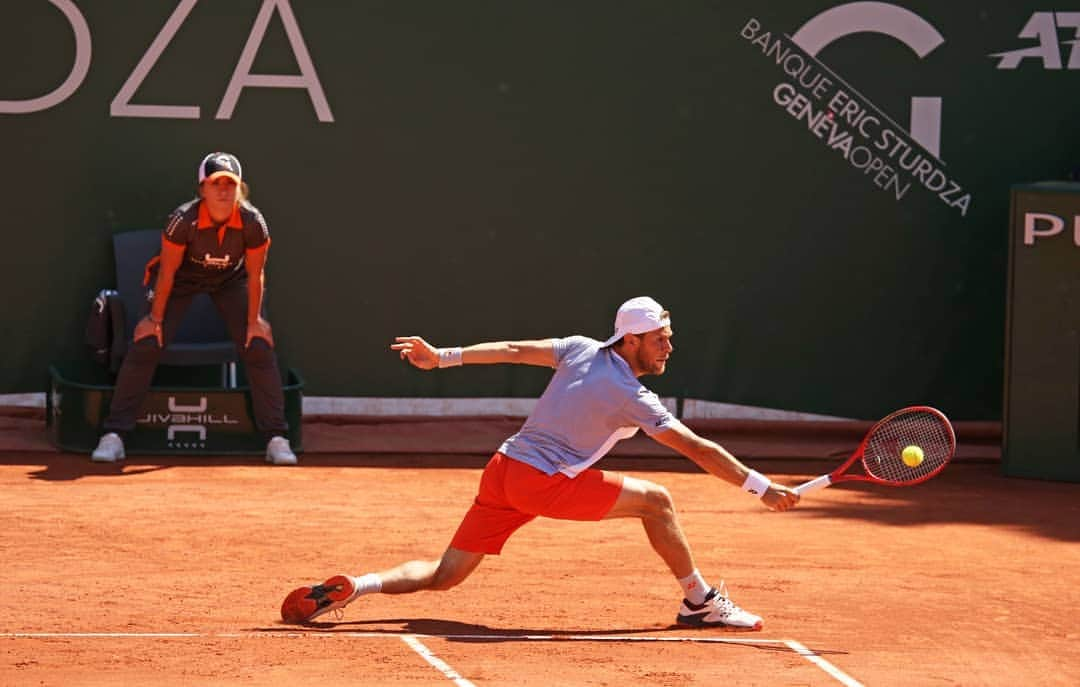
pixel 813 485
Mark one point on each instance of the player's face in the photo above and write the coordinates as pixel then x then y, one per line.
pixel 653 351
pixel 220 197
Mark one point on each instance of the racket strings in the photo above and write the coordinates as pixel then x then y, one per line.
pixel 883 457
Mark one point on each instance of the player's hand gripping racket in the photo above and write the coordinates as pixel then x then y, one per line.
pixel 907 447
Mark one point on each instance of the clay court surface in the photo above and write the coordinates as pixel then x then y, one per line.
pixel 170 572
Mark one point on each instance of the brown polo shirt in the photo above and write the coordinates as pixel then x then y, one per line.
pixel 214 253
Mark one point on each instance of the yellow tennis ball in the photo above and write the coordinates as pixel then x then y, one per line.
pixel 912 456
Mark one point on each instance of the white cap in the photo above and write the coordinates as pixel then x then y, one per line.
pixel 637 316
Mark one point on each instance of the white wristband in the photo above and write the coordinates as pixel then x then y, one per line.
pixel 449 357
pixel 756 483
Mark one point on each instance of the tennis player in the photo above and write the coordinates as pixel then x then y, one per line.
pixel 593 400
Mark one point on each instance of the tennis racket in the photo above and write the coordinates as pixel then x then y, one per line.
pixel 881 451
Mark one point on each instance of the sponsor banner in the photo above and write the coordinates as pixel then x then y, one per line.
pixel 818 191
pixel 851 125
pixel 188 424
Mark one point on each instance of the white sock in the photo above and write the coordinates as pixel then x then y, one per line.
pixel 368 584
pixel 694 587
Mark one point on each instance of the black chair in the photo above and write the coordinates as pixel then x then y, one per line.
pixel 202 338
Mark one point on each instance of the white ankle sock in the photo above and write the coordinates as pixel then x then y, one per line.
pixel 694 587
pixel 368 584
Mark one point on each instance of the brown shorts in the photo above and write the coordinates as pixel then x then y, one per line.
pixel 512 493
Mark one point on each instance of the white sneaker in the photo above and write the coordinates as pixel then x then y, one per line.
pixel 109 449
pixel 279 452
pixel 717 611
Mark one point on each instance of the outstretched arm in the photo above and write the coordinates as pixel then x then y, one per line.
pixel 425 356
pixel 716 460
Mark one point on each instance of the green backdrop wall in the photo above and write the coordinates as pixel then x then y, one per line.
pixel 817 190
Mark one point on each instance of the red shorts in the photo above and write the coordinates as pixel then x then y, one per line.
pixel 512 493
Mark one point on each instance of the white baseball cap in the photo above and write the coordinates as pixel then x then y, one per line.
pixel 637 316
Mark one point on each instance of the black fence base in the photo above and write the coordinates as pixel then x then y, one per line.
pixel 174 420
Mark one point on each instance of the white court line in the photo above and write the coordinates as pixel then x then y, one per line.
pixel 829 668
pixel 440 665
pixel 414 642
pixel 271 634
pixel 615 638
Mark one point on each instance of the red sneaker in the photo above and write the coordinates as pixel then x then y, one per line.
pixel 307 603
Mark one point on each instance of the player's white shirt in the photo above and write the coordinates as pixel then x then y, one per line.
pixel 592 401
